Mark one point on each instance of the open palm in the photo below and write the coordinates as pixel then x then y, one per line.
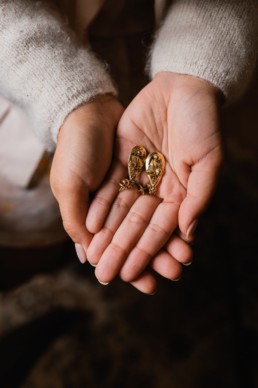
pixel 177 116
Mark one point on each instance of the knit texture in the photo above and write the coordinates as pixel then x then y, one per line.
pixel 216 40
pixel 43 69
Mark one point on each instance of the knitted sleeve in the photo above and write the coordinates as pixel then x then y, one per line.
pixel 216 40
pixel 42 67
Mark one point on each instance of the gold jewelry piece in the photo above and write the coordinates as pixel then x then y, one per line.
pixel 136 161
pixel 154 166
pixel 136 165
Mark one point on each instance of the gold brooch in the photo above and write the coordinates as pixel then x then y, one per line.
pixel 138 162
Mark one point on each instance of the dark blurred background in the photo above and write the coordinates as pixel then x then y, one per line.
pixel 60 328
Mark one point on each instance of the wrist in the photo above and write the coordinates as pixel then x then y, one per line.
pixel 191 83
pixel 103 110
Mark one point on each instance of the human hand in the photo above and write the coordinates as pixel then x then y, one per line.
pixel 82 158
pixel 178 116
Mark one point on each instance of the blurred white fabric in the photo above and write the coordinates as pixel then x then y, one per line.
pixel 20 150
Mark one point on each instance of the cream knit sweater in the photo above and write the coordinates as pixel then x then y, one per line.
pixel 45 70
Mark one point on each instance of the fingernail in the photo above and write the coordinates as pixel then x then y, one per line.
pixel 176 280
pixel 191 230
pixel 80 253
pixel 93 265
pixel 187 264
pixel 103 284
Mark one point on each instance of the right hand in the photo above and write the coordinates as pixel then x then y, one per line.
pixel 82 158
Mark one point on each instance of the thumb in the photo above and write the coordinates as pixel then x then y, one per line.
pixel 200 187
pixel 73 204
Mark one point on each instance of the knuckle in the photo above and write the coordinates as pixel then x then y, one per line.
pixel 158 229
pixel 118 250
pixel 101 201
pixel 120 204
pixel 107 233
pixel 136 218
pixel 113 182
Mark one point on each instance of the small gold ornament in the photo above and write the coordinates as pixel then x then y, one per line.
pixel 155 167
pixel 138 162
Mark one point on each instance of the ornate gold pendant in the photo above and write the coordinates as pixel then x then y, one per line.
pixel 155 167
pixel 138 162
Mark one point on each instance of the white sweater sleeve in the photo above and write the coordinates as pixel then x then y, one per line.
pixel 216 40
pixel 42 67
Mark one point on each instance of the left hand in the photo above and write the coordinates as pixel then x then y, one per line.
pixel 176 115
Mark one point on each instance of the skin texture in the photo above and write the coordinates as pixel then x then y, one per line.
pixel 178 116
pixel 82 158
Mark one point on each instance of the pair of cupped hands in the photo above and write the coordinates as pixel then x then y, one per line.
pixel 123 233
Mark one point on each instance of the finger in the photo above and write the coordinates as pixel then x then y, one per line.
pixel 179 250
pixel 126 237
pixel 200 187
pixel 188 239
pixel 158 231
pixel 73 207
pixel 165 265
pixel 145 283
pixel 104 198
pixel 118 212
